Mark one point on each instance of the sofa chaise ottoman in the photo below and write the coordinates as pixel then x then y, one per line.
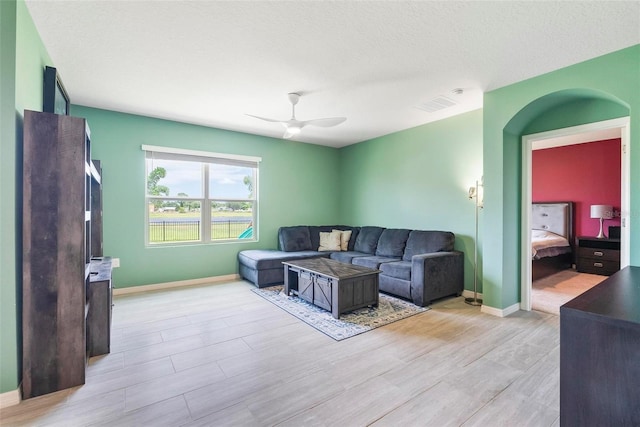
pixel 263 267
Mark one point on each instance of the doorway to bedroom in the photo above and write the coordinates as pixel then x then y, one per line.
pixel 584 166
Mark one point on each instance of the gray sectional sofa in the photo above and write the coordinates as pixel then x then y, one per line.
pixel 420 266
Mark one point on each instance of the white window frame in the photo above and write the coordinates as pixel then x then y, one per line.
pixel 205 158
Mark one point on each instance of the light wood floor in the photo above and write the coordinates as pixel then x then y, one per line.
pixel 549 293
pixel 221 355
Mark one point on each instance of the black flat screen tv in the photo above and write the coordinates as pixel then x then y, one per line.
pixel 55 98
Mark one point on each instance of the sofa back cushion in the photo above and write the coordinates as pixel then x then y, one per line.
pixel 354 235
pixel 392 242
pixel 314 231
pixel 424 242
pixel 292 239
pixel 367 240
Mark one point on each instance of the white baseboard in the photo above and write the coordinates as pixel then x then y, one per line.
pixel 490 310
pixel 504 312
pixel 469 294
pixel 178 284
pixel 10 398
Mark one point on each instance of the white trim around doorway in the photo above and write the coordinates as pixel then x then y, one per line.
pixel 623 124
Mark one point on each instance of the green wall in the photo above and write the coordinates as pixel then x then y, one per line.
pixel 8 285
pixel 23 59
pixel 584 107
pixel 418 178
pixel 298 184
pixel 598 89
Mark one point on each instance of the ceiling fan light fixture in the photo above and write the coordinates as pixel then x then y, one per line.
pixel 292 131
pixel 293 97
pixel 293 126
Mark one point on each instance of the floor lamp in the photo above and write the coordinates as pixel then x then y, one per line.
pixel 475 193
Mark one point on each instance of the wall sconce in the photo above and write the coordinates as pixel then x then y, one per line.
pixel 473 191
pixel 601 212
pixel 477 194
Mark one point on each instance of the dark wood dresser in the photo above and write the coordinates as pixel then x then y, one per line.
pixel 598 256
pixel 600 354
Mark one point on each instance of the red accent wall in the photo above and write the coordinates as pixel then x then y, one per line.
pixel 587 174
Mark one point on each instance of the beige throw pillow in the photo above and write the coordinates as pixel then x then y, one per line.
pixel 329 241
pixel 345 235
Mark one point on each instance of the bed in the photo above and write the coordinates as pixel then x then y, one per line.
pixel 552 238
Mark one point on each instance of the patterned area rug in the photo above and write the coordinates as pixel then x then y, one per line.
pixel 389 310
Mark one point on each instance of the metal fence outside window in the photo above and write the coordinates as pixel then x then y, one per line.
pixel 189 231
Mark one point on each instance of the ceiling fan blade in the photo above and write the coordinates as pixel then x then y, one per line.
pixel 325 123
pixel 293 126
pixel 266 119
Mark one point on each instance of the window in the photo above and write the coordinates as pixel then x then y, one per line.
pixel 200 197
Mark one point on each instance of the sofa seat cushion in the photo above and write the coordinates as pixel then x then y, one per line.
pixel 347 257
pixel 392 242
pixel 263 259
pixel 426 242
pixel 292 239
pixel 367 240
pixel 372 261
pixel 398 269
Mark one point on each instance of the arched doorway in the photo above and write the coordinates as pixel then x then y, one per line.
pixel 562 113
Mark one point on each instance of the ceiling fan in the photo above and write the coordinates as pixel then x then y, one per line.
pixel 293 126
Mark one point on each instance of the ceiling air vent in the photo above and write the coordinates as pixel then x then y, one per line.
pixel 436 104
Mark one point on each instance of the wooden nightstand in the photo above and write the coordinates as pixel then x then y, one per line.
pixel 598 256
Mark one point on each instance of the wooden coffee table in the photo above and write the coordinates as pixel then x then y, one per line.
pixel 332 285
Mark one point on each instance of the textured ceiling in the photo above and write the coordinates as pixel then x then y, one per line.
pixel 212 62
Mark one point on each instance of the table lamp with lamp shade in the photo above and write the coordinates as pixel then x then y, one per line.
pixel 601 212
